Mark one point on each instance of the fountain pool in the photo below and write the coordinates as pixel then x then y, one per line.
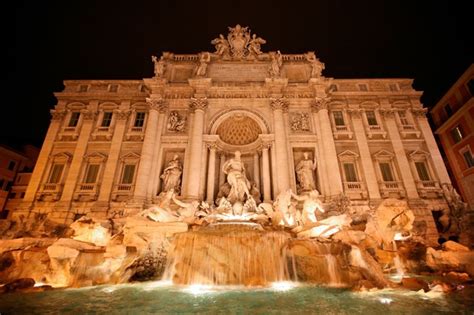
pixel 164 298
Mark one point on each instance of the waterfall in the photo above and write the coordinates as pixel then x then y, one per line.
pixel 332 268
pixel 229 254
pixel 398 262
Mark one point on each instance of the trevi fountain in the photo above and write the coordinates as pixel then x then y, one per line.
pixel 275 190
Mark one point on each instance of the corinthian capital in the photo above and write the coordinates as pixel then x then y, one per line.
pixel 419 112
pixel 57 115
pixel 279 103
pixel 319 103
pixel 157 104
pixel 122 114
pixel 87 114
pixel 198 103
pixel 387 113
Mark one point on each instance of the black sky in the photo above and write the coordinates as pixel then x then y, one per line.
pixel 47 42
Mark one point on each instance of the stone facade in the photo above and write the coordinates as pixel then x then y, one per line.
pixel 109 141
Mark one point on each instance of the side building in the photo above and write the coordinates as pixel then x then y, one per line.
pixel 109 142
pixel 453 117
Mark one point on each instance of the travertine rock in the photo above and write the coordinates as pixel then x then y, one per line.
pixel 452 246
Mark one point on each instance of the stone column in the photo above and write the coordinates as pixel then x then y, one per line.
pixel 221 173
pixel 211 173
pixel 153 187
pixel 400 154
pixel 198 105
pixel 329 147
pixel 365 157
pixel 283 173
pixel 430 141
pixel 256 170
pixel 114 155
pixel 78 157
pixel 266 173
pixel 145 165
pixel 42 161
pixel 322 169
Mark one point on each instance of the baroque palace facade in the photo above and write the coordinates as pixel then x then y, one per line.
pixel 110 143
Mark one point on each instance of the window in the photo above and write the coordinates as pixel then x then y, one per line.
pixel 18 179
pixel 468 158
pixel 12 195
pixel 457 134
pixel 349 170
pixel 386 171
pixel 139 119
pixel 22 195
pixel 371 119
pixel 1 183
pixel 363 87
pixel 338 118
pixel 11 165
pixel 83 88
pixel 56 172
pixel 106 119
pixel 470 86
pixel 113 88
pixel 128 172
pixel 74 119
pixel 448 110
pixel 91 173
pixel 403 118
pixel 422 171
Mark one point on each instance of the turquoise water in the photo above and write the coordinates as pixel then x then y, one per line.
pixel 159 298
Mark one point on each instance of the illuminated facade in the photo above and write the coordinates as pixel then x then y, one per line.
pixel 109 141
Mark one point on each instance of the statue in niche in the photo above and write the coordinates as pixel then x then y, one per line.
pixel 176 123
pixel 317 66
pixel 172 175
pixel 204 59
pixel 222 46
pixel 159 66
pixel 239 184
pixel 255 45
pixel 277 62
pixel 305 174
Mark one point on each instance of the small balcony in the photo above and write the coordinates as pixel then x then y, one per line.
pixel 50 192
pixel 86 192
pixel 375 131
pixel 429 188
pixel 355 190
pixel 122 192
pixel 342 132
pixel 391 189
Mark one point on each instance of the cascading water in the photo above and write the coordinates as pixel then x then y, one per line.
pixel 333 271
pixel 398 262
pixel 229 254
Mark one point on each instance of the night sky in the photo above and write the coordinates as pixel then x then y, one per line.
pixel 46 42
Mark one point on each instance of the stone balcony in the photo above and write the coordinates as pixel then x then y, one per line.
pixel 355 190
pixel 86 192
pixel 429 188
pixel 391 189
pixel 50 192
pixel 342 132
pixel 122 192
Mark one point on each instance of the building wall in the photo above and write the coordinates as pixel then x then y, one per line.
pixel 294 113
pixel 460 99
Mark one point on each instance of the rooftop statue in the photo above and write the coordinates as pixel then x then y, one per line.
pixel 239 44
pixel 159 66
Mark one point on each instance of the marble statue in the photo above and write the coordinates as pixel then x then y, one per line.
pixel 159 66
pixel 284 211
pixel 172 175
pixel 311 204
pixel 176 123
pixel 204 59
pixel 305 173
pixel 222 45
pixel 255 45
pixel 277 62
pixel 317 66
pixel 239 184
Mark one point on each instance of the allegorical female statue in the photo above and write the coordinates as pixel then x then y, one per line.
pixel 172 175
pixel 305 174
pixel 240 185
